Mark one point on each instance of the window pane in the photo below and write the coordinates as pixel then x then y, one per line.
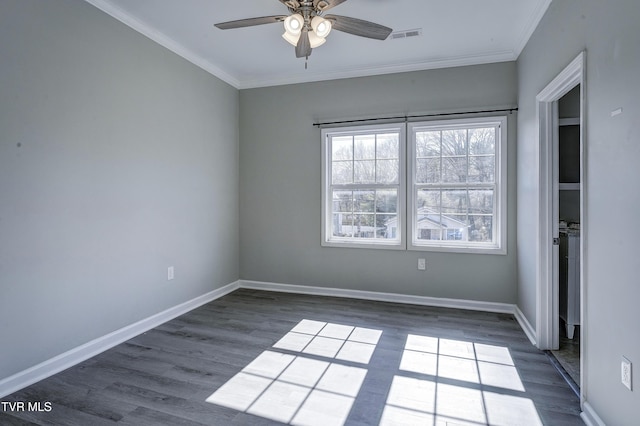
pixel 428 200
pixel 482 169
pixel 364 147
pixel 428 220
pixel 454 142
pixel 341 172
pixel 342 148
pixel 428 233
pixel 364 226
pixel 458 234
pixel 343 201
pixel 387 201
pixel 455 227
pixel 481 201
pixel 342 225
pixel 482 141
pixel 387 171
pixel 364 201
pixel 387 146
pixel 481 228
pixel 365 171
pixel 455 202
pixel 428 144
pixel 386 226
pixel 428 170
pixel 454 169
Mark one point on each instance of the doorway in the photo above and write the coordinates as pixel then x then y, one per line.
pixel 566 160
pixel 552 194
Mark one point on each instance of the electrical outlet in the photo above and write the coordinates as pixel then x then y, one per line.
pixel 422 264
pixel 170 273
pixel 625 372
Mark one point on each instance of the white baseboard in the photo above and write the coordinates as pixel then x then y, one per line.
pixel 589 416
pixel 81 353
pixel 382 297
pixel 526 326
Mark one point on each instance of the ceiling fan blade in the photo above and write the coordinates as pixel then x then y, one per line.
pixel 322 5
pixel 291 4
pixel 250 22
pixel 303 49
pixel 359 27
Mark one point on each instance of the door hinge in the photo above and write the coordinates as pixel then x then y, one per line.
pixel 556 241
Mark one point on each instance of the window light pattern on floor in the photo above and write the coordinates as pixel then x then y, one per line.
pixel 301 390
pixel 457 382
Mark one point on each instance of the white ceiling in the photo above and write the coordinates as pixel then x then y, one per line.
pixel 454 33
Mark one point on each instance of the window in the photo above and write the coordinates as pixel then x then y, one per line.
pixel 457 175
pixel 453 186
pixel 363 186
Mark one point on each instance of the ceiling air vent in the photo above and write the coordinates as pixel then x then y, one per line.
pixel 406 34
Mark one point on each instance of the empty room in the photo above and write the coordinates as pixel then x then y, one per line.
pixel 319 212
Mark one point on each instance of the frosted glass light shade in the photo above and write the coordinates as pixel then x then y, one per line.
pixel 315 41
pixel 321 26
pixel 293 24
pixel 292 39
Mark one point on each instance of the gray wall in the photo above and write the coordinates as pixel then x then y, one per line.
pixel 280 187
pixel 117 160
pixel 610 34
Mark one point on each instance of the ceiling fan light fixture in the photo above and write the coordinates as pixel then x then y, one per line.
pixel 321 26
pixel 315 40
pixel 292 39
pixel 293 24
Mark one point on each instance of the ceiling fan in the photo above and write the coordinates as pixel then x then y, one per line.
pixel 307 26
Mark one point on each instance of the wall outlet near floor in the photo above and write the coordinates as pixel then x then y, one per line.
pixel 170 273
pixel 422 264
pixel 625 372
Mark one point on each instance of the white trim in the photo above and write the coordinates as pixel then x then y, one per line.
pixel 163 40
pixel 83 352
pixel 462 61
pixel 327 238
pixel 499 245
pixel 589 416
pixel 546 298
pixel 529 29
pixel 472 305
pixel 525 325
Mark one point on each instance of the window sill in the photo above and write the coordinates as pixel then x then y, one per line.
pixel 472 249
pixel 364 245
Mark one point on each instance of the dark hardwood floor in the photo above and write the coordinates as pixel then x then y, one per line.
pixel 429 366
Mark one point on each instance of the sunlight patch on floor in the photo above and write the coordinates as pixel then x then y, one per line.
pixel 458 383
pixel 299 390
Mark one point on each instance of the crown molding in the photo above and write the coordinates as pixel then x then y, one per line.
pixel 533 23
pixel 505 56
pixel 107 7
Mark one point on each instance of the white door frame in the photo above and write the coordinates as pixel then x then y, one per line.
pixel 547 319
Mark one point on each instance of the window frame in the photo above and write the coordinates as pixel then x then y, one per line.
pixel 499 243
pixel 407 189
pixel 328 240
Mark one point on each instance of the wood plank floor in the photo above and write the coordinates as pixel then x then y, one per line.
pixel 429 366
